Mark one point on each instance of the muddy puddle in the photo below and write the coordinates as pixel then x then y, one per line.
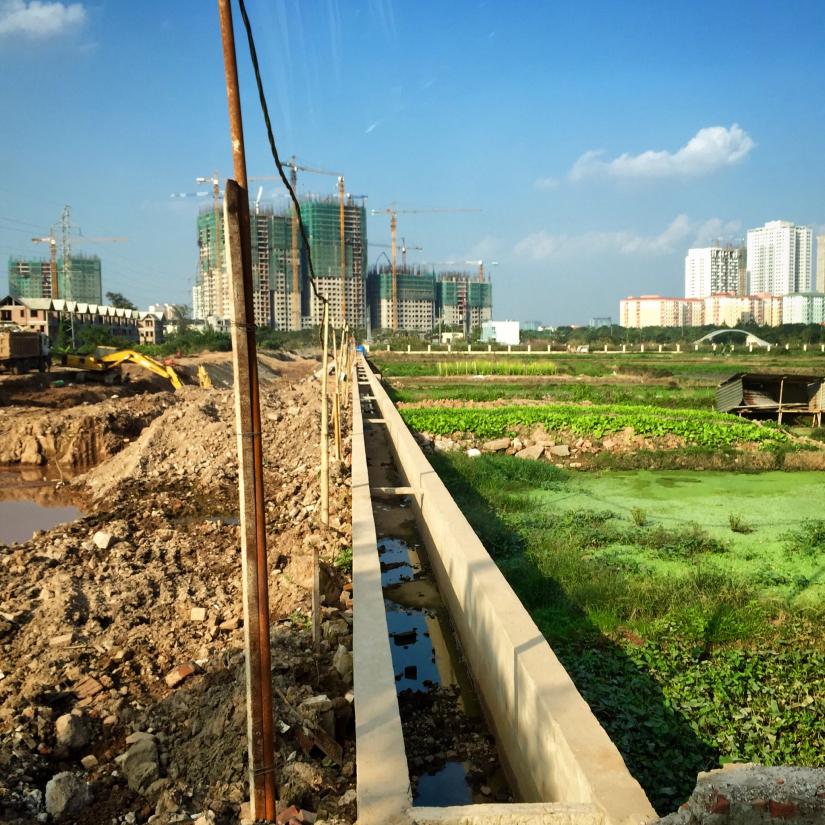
pixel 450 752
pixel 30 500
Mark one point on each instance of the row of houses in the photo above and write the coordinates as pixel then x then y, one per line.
pixel 46 315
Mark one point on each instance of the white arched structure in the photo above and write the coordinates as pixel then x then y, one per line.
pixel 750 338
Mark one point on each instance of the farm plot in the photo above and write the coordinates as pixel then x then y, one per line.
pixel 698 427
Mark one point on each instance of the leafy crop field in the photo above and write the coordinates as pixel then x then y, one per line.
pixel 687 609
pixel 703 428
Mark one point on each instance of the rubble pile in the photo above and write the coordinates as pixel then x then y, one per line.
pixel 122 688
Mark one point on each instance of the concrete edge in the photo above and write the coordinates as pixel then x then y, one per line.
pixel 555 748
pixel 518 813
pixel 383 780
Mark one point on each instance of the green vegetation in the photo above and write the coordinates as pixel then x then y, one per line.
pixel 511 366
pixel 808 539
pixel 705 366
pixel 703 428
pixel 693 644
pixel 189 342
pixel 657 395
pixel 343 561
pixel 738 524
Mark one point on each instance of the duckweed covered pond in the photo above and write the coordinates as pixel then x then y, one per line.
pixel 687 606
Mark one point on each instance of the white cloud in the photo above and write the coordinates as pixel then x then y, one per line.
pixel 546 183
pixel 711 148
pixel 677 236
pixel 36 19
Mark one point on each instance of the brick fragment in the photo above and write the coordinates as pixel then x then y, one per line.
pixel 178 674
pixel 720 804
pixel 781 810
pixel 86 688
pixel 286 815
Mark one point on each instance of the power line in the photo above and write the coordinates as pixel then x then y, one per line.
pixel 253 55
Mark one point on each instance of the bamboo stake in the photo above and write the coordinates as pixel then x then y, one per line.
pixel 316 565
pixel 336 409
pixel 325 426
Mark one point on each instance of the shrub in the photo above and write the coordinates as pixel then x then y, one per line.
pixel 738 524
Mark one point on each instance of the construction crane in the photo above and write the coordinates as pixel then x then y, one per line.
pixel 216 193
pixel 393 213
pixel 480 265
pixel 404 249
pixel 294 166
pixel 52 242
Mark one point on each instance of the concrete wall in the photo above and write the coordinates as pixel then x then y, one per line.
pixel 555 748
pixel 381 762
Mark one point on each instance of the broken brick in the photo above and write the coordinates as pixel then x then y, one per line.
pixel 86 688
pixel 720 804
pixel 781 810
pixel 288 813
pixel 178 674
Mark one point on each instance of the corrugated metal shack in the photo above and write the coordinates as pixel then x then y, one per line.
pixel 767 396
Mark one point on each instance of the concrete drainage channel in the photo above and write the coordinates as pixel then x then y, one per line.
pixel 428 576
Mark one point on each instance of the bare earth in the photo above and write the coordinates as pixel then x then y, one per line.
pixel 89 630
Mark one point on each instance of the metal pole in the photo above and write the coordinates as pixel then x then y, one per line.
pixel 260 736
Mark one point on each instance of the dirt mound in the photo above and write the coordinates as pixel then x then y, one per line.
pixel 78 437
pixel 98 616
pixel 193 437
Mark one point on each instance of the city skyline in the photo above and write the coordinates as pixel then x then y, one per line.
pixel 591 178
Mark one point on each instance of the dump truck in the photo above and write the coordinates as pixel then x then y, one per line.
pixel 21 351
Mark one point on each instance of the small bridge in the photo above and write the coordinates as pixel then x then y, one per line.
pixel 750 338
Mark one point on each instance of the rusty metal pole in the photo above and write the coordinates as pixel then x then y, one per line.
pixel 260 737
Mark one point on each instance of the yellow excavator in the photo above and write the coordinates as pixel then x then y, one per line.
pixel 107 363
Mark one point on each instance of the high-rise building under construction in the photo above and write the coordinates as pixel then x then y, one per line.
pixel 425 300
pixel 415 299
pixel 32 278
pixel 280 263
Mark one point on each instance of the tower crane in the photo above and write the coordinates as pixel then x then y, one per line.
pixel 393 213
pixel 480 265
pixel 52 242
pixel 216 191
pixel 294 166
pixel 404 250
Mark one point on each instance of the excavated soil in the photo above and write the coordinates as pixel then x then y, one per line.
pixel 94 617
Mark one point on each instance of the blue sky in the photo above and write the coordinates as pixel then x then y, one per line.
pixel 599 140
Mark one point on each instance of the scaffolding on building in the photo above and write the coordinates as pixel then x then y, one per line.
pixel 273 242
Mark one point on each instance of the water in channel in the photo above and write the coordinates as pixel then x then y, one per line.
pixel 29 502
pixel 451 754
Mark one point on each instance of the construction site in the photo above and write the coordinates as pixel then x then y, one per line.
pixel 317 583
